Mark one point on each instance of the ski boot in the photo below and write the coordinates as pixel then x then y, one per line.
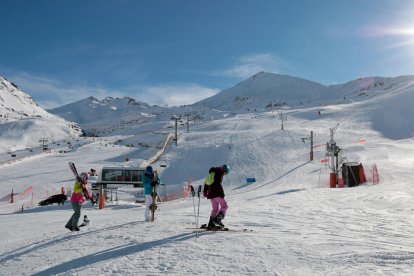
pixel 212 225
pixel 218 219
pixel 68 227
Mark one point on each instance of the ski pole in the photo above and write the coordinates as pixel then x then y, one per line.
pixel 193 194
pixel 198 209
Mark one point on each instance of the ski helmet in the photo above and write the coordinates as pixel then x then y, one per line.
pixel 148 170
pixel 226 169
pixel 84 176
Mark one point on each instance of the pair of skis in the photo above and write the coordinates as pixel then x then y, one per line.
pixel 225 229
pixel 153 206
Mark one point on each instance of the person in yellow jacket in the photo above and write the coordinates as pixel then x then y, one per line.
pixel 80 191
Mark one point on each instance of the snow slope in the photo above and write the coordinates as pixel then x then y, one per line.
pixel 262 89
pixel 300 226
pixel 261 92
pixel 92 109
pixel 105 117
pixel 15 104
pixel 23 123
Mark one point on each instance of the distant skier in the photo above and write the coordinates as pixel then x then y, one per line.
pixel 80 189
pixel 92 172
pixel 213 190
pixel 149 183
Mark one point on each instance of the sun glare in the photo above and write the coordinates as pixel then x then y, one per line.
pixel 402 36
pixel 400 32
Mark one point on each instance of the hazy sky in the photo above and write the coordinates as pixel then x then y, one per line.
pixel 180 51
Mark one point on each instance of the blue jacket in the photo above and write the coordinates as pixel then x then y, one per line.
pixel 147 180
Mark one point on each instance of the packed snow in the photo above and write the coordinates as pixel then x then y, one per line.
pixel 297 224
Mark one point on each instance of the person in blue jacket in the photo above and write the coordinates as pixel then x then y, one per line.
pixel 149 182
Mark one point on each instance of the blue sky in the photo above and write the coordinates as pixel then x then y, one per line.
pixel 180 51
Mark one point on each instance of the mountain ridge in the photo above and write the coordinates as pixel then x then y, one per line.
pixel 261 92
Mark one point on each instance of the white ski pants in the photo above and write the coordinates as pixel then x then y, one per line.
pixel 148 202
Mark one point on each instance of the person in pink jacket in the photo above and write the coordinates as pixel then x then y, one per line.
pixel 80 191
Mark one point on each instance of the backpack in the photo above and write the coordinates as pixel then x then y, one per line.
pixel 210 179
pixel 208 182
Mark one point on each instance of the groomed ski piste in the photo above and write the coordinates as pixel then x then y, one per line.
pixel 299 225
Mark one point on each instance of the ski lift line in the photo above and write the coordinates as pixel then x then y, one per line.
pixel 229 188
pixel 274 180
pixel 267 135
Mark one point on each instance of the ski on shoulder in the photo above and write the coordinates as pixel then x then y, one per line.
pixel 74 170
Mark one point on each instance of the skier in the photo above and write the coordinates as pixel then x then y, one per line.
pixel 92 172
pixel 79 191
pixel 149 183
pixel 213 190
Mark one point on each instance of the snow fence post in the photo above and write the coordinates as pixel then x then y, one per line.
pixel 332 180
pixel 101 198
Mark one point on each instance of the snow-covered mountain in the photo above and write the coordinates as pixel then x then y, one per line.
pixel 386 104
pixel 15 104
pixel 23 123
pixel 92 109
pixel 369 87
pixel 97 117
pixel 263 89
pixel 388 97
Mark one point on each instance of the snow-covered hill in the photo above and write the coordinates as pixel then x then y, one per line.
pixel 369 87
pixel 23 123
pixel 264 89
pixel 108 109
pixel 390 100
pixel 15 104
pixel 101 117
